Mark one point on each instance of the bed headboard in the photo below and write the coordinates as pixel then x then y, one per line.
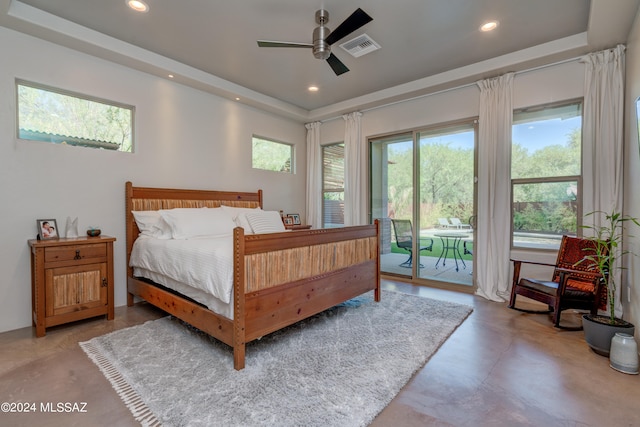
pixel 151 199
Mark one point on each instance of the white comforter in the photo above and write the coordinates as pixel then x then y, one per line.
pixel 203 263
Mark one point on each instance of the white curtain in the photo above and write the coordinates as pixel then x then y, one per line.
pixel 602 139
pixel 494 188
pixel 314 175
pixel 355 188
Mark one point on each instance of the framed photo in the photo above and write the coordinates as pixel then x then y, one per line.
pixel 288 220
pixel 296 218
pixel 47 229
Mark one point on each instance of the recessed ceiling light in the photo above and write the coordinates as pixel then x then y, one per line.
pixel 170 76
pixel 313 88
pixel 138 5
pixel 237 99
pixel 489 26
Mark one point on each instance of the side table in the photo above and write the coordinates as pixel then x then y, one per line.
pixel 71 279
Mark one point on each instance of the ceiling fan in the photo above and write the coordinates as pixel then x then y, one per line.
pixel 323 37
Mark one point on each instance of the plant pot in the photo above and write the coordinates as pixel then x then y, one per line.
pixel 598 332
pixel 624 354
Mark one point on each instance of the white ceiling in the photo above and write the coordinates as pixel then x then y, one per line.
pixel 426 45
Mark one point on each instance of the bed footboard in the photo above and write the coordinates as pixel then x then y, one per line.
pixel 287 277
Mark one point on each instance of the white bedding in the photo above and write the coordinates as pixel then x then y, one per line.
pixel 203 263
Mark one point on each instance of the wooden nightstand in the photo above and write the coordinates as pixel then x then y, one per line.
pixel 71 279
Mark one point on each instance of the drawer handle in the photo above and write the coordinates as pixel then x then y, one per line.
pixel 104 282
pixel 77 254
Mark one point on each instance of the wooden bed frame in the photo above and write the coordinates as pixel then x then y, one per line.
pixel 279 278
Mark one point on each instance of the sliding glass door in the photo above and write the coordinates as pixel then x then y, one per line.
pixel 392 197
pixel 422 191
pixel 446 189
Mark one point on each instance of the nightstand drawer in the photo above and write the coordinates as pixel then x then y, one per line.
pixel 76 252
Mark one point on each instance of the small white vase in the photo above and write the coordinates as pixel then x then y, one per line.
pixel 623 356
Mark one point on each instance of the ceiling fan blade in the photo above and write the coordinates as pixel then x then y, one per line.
pixel 269 43
pixel 349 25
pixel 336 65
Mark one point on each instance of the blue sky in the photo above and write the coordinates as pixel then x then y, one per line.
pixel 536 135
pixel 533 135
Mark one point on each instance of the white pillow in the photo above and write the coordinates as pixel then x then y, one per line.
pixel 265 222
pixel 150 223
pixel 186 223
pixel 239 216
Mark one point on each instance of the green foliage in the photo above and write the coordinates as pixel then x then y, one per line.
pixel 548 206
pixel 608 249
pixel 435 252
pixel 530 219
pixel 334 195
pixel 446 182
pixel 553 217
pixel 50 112
pixel 549 161
pixel 271 155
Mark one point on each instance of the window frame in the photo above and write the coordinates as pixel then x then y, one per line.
pixel 292 152
pixel 73 94
pixel 333 191
pixel 550 179
pixel 547 180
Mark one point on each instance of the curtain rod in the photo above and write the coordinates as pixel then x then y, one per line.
pixel 528 70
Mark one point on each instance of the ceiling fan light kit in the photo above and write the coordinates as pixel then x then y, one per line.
pixel 323 37
pixel 321 49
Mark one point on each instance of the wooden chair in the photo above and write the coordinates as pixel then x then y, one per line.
pixel 404 239
pixel 574 283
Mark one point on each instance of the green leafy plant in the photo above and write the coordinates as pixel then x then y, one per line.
pixel 607 250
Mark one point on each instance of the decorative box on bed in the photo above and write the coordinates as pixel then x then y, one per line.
pixel 278 278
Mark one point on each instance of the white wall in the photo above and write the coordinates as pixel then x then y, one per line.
pixel 535 87
pixel 184 139
pixel 631 280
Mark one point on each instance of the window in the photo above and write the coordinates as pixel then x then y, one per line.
pixel 333 185
pixel 271 155
pixel 546 175
pixel 60 117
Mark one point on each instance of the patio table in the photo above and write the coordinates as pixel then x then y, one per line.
pixel 451 241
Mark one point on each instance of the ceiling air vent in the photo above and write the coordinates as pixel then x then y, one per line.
pixel 361 45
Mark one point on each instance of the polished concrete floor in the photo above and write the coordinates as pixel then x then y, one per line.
pixel 499 368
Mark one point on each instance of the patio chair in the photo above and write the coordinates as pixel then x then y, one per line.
pixel 404 239
pixel 455 222
pixel 444 223
pixel 574 283
pixel 467 247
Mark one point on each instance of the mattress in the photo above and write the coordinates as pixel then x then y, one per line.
pixel 204 298
pixel 199 268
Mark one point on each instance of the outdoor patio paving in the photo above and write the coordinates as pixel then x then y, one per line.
pixel 390 263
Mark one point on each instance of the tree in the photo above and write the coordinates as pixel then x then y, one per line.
pixel 271 155
pixel 446 181
pixel 446 185
pixel 50 112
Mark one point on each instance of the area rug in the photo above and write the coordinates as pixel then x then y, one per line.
pixel 338 368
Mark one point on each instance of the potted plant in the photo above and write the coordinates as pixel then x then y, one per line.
pixel 606 254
